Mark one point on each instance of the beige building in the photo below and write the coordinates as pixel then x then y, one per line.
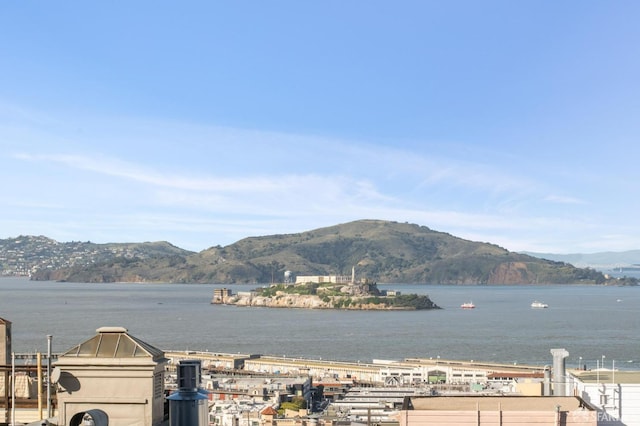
pixel 112 376
pixel 411 371
pixel 496 410
pixel 5 342
pixel 209 360
pixel 315 368
pixel 318 279
pixel 5 359
pixel 220 295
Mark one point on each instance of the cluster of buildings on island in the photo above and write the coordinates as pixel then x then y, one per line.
pixel 349 286
pixel 114 378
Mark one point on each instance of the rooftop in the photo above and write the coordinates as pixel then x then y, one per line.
pixel 496 403
pixel 488 366
pixel 114 342
pixel 608 376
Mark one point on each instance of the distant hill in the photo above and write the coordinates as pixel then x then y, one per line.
pixel 602 260
pixel 616 264
pixel 382 251
pixel 28 255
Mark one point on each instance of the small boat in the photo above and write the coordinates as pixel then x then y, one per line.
pixel 537 304
pixel 468 305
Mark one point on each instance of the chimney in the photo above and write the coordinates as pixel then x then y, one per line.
pixel 546 391
pixel 559 371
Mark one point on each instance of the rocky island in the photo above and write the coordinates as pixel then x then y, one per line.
pixel 325 295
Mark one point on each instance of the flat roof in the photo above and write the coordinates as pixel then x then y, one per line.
pixel 303 362
pixel 478 365
pixel 495 403
pixel 607 376
pixel 518 374
pixel 206 355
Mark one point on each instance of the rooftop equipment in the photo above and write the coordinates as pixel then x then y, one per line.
pixel 188 406
pixel 559 371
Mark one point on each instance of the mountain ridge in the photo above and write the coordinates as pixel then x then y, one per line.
pixel 382 251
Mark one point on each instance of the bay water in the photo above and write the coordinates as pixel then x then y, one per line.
pixel 593 323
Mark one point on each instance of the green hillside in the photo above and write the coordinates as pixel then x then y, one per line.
pixel 382 251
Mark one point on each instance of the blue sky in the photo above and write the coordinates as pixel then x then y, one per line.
pixel 202 123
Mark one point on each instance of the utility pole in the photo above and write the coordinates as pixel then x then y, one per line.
pixel 49 337
pixel 13 388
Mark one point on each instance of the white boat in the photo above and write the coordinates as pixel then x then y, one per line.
pixel 537 304
pixel 468 305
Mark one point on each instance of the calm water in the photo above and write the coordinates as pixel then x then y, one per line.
pixel 588 321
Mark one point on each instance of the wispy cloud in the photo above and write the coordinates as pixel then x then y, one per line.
pixel 561 199
pixel 198 193
pixel 275 161
pixel 225 193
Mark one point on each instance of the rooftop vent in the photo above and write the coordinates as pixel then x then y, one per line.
pixel 188 406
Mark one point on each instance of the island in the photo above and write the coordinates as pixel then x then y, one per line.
pixel 324 295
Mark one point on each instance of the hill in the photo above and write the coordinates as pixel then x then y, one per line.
pixel 382 251
pixel 627 261
pixel 44 258
pixel 623 264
